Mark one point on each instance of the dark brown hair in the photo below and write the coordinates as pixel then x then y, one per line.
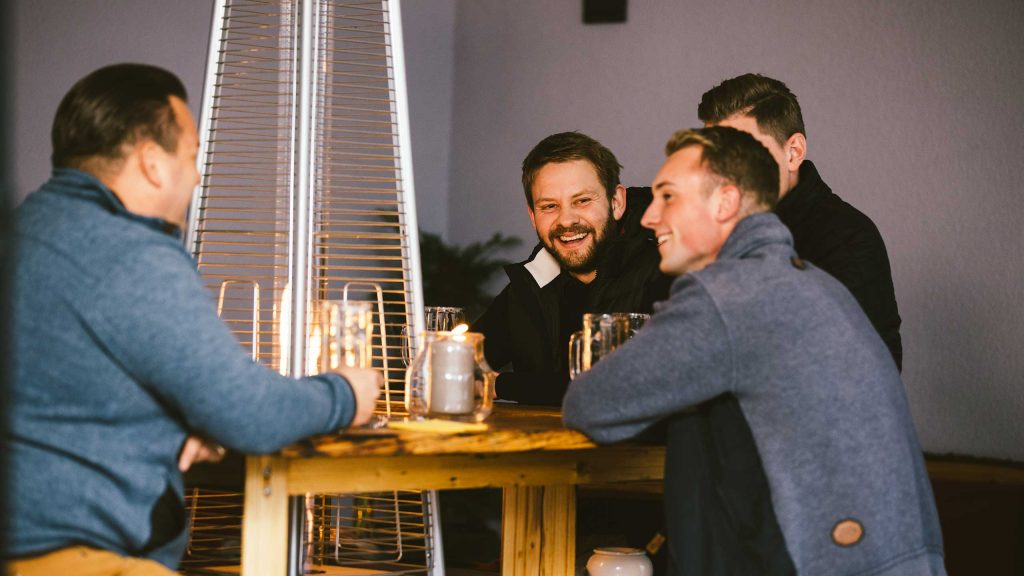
pixel 765 99
pixel 567 146
pixel 112 107
pixel 736 157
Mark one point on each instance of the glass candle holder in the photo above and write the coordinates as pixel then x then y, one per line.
pixel 449 378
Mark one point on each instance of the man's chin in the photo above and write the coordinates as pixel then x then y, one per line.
pixel 574 262
pixel 579 260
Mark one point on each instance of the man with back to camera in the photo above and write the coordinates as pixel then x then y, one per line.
pixel 748 317
pixel 120 361
pixel 593 256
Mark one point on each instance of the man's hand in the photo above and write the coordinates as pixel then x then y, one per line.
pixel 196 449
pixel 365 385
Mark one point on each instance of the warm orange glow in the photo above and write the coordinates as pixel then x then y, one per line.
pixel 458 333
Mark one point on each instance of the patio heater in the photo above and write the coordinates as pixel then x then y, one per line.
pixel 307 195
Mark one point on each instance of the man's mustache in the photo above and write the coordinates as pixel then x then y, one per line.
pixel 574 229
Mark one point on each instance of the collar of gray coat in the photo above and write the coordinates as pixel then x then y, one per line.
pixel 753 232
pixel 543 267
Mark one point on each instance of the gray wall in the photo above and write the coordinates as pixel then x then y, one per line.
pixel 914 115
pixel 58 41
pixel 429 34
pixel 913 112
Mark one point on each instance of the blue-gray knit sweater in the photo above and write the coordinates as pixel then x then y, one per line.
pixel 818 387
pixel 118 356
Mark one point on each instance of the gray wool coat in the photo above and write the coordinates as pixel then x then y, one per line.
pixel 818 387
pixel 118 355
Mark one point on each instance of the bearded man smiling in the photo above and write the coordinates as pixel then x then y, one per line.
pixel 593 256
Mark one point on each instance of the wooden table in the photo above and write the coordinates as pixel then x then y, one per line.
pixel 525 451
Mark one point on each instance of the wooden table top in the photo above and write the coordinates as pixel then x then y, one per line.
pixel 510 428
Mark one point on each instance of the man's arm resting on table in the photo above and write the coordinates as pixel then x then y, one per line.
pixel 680 359
pixel 161 325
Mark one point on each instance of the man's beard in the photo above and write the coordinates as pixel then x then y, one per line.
pixel 586 261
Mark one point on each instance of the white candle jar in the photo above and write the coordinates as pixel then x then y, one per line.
pixel 619 562
pixel 449 378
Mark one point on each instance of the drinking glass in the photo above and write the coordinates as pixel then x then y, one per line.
pixel 435 319
pixel 601 334
pixel 442 318
pixel 341 335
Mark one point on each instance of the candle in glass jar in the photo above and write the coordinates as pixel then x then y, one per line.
pixel 451 385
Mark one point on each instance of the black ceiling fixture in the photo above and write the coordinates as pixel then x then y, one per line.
pixel 604 11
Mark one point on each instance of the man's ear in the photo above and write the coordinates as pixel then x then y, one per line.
pixel 795 150
pixel 150 157
pixel 619 202
pixel 533 222
pixel 728 201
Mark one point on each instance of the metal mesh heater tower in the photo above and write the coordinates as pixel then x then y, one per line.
pixel 307 195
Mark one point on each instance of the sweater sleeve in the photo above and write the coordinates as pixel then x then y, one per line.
pixel 680 358
pixel 154 317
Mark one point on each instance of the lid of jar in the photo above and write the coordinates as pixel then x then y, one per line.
pixel 620 551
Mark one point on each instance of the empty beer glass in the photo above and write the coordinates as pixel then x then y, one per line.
pixel 601 334
pixel 442 318
pixel 435 319
pixel 340 335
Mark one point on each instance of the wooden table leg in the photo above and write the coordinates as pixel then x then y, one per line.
pixel 538 533
pixel 265 518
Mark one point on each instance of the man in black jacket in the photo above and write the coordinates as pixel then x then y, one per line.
pixel 593 256
pixel 827 231
pixel 729 526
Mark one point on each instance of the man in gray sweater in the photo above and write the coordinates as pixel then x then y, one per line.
pixel 816 383
pixel 120 363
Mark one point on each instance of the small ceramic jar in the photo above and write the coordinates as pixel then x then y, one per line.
pixel 619 562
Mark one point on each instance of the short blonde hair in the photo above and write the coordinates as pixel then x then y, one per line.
pixel 735 156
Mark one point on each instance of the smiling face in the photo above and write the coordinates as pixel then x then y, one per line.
pixel 686 213
pixel 573 215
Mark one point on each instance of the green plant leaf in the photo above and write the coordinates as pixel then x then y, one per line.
pixel 458 276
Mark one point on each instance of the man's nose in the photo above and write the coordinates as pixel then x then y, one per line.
pixel 650 217
pixel 568 215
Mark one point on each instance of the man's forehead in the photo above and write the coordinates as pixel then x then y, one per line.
pixel 183 116
pixel 572 177
pixel 683 165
